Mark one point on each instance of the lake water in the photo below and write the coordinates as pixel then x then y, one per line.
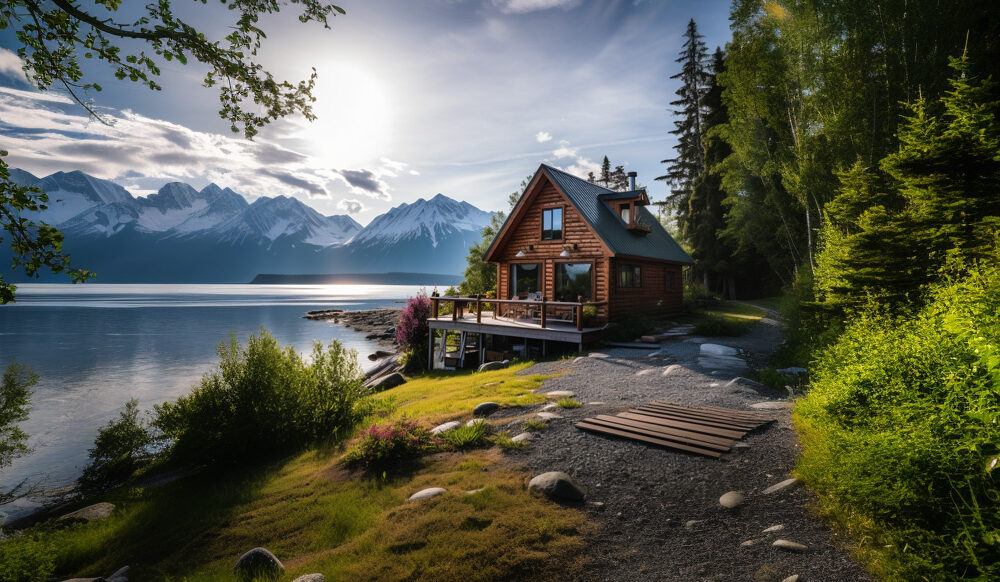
pixel 95 346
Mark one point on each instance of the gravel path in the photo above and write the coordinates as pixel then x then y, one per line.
pixel 657 510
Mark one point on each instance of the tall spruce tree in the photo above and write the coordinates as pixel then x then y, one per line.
pixel 684 169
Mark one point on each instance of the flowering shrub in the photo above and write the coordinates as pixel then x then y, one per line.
pixel 385 446
pixel 411 333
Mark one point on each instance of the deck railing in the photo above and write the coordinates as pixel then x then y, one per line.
pixel 503 307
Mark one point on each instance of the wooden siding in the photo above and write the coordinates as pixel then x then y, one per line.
pixel 654 296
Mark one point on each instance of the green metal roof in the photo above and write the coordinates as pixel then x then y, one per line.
pixel 587 198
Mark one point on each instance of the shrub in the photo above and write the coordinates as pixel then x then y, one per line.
pixel 28 557
pixel 467 436
pixel 899 430
pixel 568 402
pixel 589 315
pixel 387 447
pixel 264 400
pixel 120 448
pixel 411 332
pixel 535 425
pixel 628 328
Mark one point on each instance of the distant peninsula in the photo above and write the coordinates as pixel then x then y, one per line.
pixel 358 279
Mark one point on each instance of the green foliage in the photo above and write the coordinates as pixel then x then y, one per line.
pixel 14 395
pixel 589 315
pixel 899 431
pixel 29 557
pixel 628 328
pixel 119 450
pixel 567 402
pixel 34 246
pixel 265 400
pixel 467 436
pixel 389 447
pixel 480 276
pixel 55 36
pixel 535 425
pixel 719 325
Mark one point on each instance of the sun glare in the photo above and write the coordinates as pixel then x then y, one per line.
pixel 353 116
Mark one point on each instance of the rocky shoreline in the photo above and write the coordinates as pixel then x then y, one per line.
pixel 379 324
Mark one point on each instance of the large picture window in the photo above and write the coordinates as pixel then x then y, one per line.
pixel 573 280
pixel 629 276
pixel 524 279
pixel 552 223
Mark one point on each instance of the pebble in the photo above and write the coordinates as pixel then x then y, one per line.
pixel 691 523
pixel 548 415
pixel 548 407
pixel 596 403
pixel 428 493
pixel 598 505
pixel 793 578
pixel 597 355
pixel 445 427
pixel 645 372
pixel 774 528
pixel 311 578
pixel 560 394
pixel 748 543
pixel 523 437
pixel 773 405
pixel 579 359
pixel 732 500
pixel 786 484
pixel 789 545
pixel 671 369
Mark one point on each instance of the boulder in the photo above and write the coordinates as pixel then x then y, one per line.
pixel 428 493
pixel 732 500
pixel 378 355
pixel 311 578
pixel 789 545
pixel 523 437
pixel 732 363
pixel 787 483
pixel 387 382
pixel 258 564
pixel 445 427
pixel 488 366
pixel 557 486
pixel 485 409
pixel 95 512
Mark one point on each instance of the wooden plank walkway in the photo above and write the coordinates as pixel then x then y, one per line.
pixel 707 431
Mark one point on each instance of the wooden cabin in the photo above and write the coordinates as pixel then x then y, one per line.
pixel 571 257
pixel 568 238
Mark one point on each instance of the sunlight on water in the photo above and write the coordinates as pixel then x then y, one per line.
pixel 95 346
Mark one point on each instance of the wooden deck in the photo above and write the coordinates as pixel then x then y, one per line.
pixel 558 331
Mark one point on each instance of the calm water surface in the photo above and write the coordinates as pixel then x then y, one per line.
pixel 95 346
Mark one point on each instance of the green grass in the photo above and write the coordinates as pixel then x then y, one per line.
pixel 567 402
pixel 317 516
pixel 467 436
pixel 535 425
pixel 506 442
pixel 726 319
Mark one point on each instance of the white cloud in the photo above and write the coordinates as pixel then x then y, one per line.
pixel 543 136
pixel 525 6
pixel 351 206
pixel 10 65
pixel 581 165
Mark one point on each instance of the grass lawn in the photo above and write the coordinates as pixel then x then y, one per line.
pixel 318 517
pixel 728 318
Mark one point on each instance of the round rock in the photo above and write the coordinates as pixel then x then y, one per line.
pixel 774 528
pixel 732 500
pixel 786 484
pixel 428 493
pixel 524 437
pixel 485 409
pixel 560 394
pixel 793 578
pixel 258 564
pixel 311 578
pixel 548 416
pixel 445 427
pixel 557 486
pixel 95 512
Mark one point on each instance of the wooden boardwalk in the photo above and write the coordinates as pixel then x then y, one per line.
pixel 707 431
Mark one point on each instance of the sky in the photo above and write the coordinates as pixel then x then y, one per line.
pixel 414 98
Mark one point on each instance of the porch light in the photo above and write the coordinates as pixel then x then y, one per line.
pixel 519 254
pixel 564 253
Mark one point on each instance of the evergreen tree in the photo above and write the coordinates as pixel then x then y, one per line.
pixel 605 179
pixel 618 180
pixel 684 169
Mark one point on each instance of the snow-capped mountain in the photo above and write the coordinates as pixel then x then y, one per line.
pixel 180 234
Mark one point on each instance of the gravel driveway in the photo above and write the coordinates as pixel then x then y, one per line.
pixel 657 510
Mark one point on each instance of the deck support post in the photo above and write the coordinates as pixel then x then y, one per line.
pixel 479 308
pixel 454 310
pixel 434 303
pixel 579 348
pixel 543 312
pixel 543 348
pixel 430 346
pixel 579 313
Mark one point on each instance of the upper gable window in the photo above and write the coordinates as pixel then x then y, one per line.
pixel 626 213
pixel 552 223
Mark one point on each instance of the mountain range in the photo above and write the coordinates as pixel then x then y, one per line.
pixel 183 235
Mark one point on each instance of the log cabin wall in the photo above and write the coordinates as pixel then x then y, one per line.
pixel 659 293
pixel 527 236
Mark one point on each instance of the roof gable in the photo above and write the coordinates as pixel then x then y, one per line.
pixel 589 201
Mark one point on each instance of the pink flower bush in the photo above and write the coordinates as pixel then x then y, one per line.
pixel 386 446
pixel 412 329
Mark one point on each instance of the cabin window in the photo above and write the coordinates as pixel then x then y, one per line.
pixel 573 280
pixel 552 223
pixel 626 213
pixel 670 278
pixel 629 276
pixel 524 279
